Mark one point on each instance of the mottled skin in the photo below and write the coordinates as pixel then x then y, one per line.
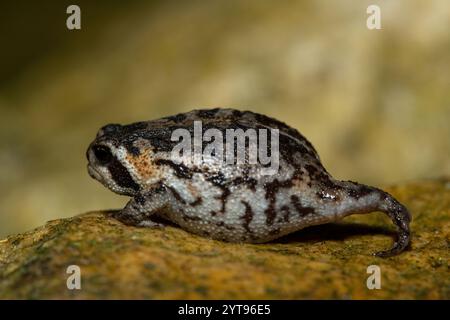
pixel 233 203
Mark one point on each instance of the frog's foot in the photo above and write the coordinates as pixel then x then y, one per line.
pixel 137 219
pixel 368 199
pixel 150 224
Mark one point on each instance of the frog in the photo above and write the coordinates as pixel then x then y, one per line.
pixel 230 201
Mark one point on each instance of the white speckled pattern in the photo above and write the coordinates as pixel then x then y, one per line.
pixel 236 202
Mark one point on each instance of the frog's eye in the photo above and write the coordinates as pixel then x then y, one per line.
pixel 102 154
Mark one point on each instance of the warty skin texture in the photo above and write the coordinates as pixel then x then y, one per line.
pixel 234 203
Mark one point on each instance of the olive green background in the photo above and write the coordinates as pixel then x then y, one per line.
pixel 375 103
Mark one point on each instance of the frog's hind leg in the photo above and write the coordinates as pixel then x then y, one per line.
pixel 365 199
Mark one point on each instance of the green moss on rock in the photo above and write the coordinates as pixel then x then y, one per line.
pixel 328 261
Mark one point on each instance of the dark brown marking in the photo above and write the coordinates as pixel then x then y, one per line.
pixel 121 175
pixel 247 181
pixel 207 113
pixel 217 179
pixel 312 170
pixel 140 199
pixel 248 216
pixel 271 192
pixel 177 118
pixel 197 202
pixel 181 170
pixel 225 193
pixel 301 210
pixel 236 113
pixel 359 190
pixel 220 181
pixel 176 195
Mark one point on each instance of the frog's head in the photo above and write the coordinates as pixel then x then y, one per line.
pixel 122 157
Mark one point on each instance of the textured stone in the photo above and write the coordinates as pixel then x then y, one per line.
pixel 375 103
pixel 328 261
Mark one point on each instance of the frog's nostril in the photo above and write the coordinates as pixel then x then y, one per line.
pixel 102 154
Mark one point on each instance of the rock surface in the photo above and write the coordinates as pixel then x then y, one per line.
pixel 328 261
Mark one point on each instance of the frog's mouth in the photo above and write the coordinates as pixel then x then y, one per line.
pixel 108 183
pixel 94 173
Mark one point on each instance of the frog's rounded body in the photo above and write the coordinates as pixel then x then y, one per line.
pixel 234 201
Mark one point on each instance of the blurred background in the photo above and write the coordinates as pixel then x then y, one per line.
pixel 375 103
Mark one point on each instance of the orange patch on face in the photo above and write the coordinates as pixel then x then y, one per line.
pixel 143 165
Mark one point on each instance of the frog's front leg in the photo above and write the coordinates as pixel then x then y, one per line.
pixel 142 207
